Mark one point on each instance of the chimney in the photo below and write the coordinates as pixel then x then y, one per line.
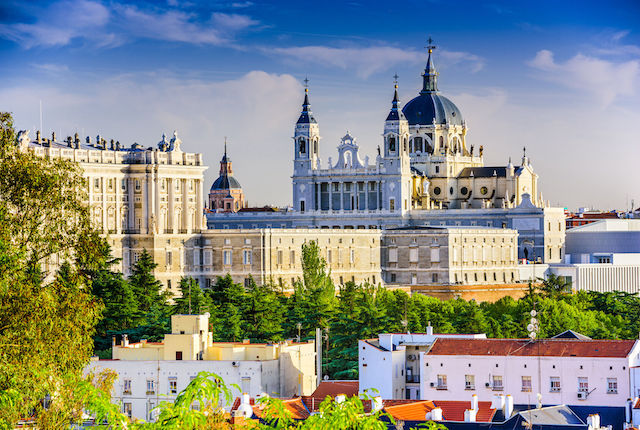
pixel 436 414
pixel 429 329
pixel 508 406
pixel 593 421
pixel 53 136
pixel 474 402
pixel 38 137
pixel 498 402
pixel 470 416
pixel 125 340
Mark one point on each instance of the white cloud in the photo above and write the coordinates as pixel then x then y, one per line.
pixel 60 23
pixel 366 61
pixel 606 80
pixel 257 111
pixel 69 20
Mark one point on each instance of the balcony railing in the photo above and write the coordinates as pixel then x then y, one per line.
pixel 413 379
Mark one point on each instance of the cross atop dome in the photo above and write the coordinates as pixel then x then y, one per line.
pixel 430 76
pixel 430 47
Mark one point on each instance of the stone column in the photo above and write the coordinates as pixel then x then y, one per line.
pixel 103 192
pixel 170 209
pixel 185 205
pixel 145 204
pixel 117 216
pixel 366 195
pixel 199 205
pixel 131 222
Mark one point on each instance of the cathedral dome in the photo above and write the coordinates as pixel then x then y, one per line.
pixel 432 108
pixel 225 182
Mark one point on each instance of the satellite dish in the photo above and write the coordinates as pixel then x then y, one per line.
pixel 532 335
pixel 533 313
pixel 530 327
pixel 534 321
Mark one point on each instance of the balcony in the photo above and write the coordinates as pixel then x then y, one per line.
pixel 413 379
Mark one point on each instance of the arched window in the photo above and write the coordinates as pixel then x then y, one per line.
pixel 303 147
pixel 315 146
pixel 392 144
pixel 417 144
pixel 441 141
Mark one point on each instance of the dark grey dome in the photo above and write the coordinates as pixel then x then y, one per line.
pixel 225 182
pixel 427 107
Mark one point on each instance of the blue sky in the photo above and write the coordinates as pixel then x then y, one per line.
pixel 561 78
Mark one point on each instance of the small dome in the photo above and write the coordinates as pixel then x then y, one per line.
pixel 225 182
pixel 428 107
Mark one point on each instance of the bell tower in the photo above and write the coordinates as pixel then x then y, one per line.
pixel 396 163
pixel 306 141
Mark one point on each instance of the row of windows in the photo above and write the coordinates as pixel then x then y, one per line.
pixel 111 183
pixel 497 383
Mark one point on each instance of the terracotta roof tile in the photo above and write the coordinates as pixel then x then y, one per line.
pixel 297 408
pixel 453 410
pixel 414 411
pixel 524 347
pixel 333 388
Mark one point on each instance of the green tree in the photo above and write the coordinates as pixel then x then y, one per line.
pixel 554 286
pixel 263 312
pixel 47 317
pixel 192 300
pixel 227 301
pixel 149 291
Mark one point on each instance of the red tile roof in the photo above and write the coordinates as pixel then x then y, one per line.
pixel 295 406
pixel 414 411
pixel 453 410
pixel 525 347
pixel 333 388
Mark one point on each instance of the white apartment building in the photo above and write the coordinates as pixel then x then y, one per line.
pixel 149 373
pixel 558 371
pixel 390 364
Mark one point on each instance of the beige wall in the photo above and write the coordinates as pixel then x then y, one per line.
pixel 445 256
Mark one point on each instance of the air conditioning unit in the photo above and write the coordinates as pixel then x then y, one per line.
pixel 235 363
pixel 582 395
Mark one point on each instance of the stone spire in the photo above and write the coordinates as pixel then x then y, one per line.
pixel 306 117
pixel 430 75
pixel 395 114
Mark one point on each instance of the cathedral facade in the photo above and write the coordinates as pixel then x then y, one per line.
pixel 425 173
pixel 425 164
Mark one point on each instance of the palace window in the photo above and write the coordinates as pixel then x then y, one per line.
pixel 126 389
pixel 246 257
pixel 303 146
pixel 279 257
pixel 434 278
pixel 392 144
pixel 127 409
pixel 226 258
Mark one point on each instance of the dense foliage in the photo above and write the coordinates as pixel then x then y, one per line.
pixel 48 252
pixel 264 313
